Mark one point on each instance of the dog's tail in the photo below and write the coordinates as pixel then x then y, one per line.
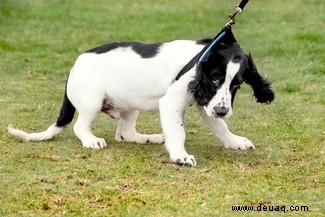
pixel 65 117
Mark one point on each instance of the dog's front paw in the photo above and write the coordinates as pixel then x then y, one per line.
pixel 156 138
pixel 239 143
pixel 94 143
pixel 184 160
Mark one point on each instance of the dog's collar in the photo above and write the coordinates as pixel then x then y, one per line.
pixel 187 67
pixel 198 58
pixel 211 46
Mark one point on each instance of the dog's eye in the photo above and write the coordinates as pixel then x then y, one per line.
pixel 237 58
pixel 236 85
pixel 216 82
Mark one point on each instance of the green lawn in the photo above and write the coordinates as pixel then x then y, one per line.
pixel 39 42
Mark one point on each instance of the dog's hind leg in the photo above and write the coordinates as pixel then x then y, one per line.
pixel 82 127
pixel 126 130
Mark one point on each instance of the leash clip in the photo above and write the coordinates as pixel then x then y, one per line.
pixel 232 17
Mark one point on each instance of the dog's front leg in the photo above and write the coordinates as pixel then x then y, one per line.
pixel 220 129
pixel 172 107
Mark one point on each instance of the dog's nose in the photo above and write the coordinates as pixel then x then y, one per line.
pixel 220 111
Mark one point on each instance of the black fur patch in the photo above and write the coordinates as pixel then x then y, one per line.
pixel 204 41
pixel 66 113
pixel 144 50
pixel 261 86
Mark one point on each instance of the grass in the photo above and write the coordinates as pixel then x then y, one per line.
pixel 40 40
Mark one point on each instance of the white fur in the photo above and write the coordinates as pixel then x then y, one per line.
pixel 48 134
pixel 134 84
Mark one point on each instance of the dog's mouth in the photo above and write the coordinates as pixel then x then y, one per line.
pixel 221 117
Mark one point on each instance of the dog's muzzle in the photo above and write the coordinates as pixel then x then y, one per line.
pixel 220 111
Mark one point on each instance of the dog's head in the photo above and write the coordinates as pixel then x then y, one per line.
pixel 220 74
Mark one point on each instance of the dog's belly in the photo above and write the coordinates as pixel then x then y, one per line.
pixel 136 99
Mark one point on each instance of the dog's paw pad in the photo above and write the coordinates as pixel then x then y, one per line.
pixel 94 143
pixel 179 162
pixel 240 143
pixel 188 161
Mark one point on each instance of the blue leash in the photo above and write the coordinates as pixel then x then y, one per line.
pixel 232 20
pixel 211 46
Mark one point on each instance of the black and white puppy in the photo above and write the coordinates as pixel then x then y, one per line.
pixel 121 79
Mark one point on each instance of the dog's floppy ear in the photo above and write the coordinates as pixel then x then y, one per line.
pixel 261 86
pixel 201 87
